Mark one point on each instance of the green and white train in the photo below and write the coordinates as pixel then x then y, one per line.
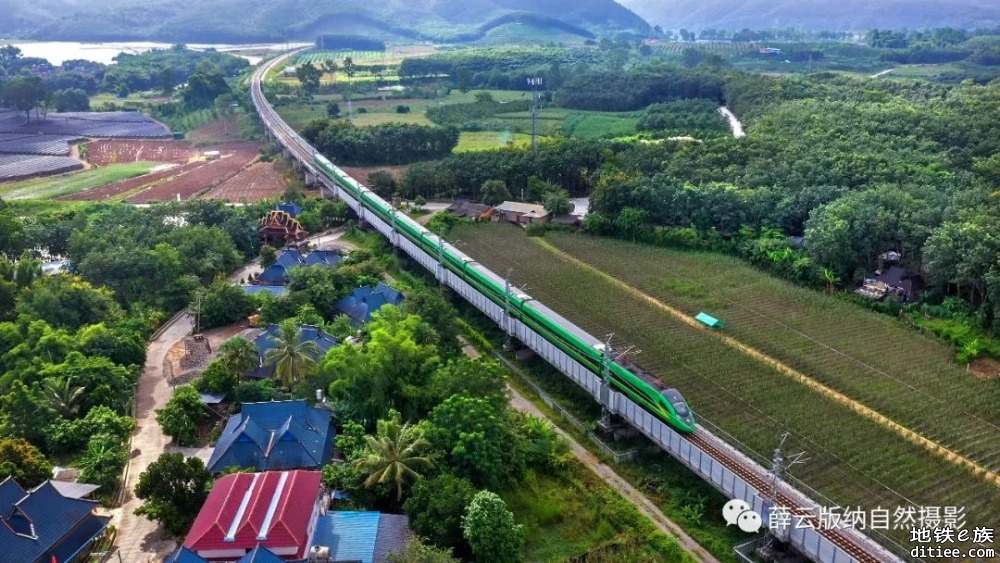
pixel 517 311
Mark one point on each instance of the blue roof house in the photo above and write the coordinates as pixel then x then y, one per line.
pixel 291 208
pixel 259 554
pixel 41 525
pixel 268 340
pixel 362 303
pixel 275 436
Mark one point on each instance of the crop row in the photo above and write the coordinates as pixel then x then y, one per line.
pixel 196 180
pixel 868 357
pixel 719 47
pixel 357 57
pixel 854 461
pixel 110 151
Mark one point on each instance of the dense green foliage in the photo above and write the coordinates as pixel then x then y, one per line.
pixel 173 489
pixel 683 117
pixel 163 69
pixel 474 116
pixel 391 143
pixel 179 418
pixel 637 88
pixel 490 529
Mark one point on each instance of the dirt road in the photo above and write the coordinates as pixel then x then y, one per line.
pixel 633 495
pixel 734 122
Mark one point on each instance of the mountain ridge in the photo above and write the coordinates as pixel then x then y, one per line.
pixel 280 20
pixel 844 15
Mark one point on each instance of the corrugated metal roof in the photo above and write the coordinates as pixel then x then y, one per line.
pixel 350 536
pixel 184 555
pixel 272 289
pixel 257 505
pixel 393 533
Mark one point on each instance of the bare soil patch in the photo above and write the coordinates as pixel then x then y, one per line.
pixel 985 368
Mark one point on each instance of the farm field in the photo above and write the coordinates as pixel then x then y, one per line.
pixel 854 460
pixel 186 180
pixel 67 184
pixel 108 151
pixel 488 140
pixel 871 358
pixel 261 180
pixel 201 178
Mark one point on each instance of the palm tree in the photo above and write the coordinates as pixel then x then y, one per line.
pixel 239 355
pixel 63 396
pixel 393 455
pixel 830 278
pixel 292 357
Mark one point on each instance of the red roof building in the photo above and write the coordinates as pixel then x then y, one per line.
pixel 277 509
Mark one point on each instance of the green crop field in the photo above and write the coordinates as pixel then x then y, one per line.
pixel 487 140
pixel 869 357
pixel 57 186
pixel 358 57
pixel 854 460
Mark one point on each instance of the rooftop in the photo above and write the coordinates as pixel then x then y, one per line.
pixel 268 340
pixel 364 301
pixel 275 436
pixel 367 537
pixel 529 209
pixel 244 510
pixel 41 524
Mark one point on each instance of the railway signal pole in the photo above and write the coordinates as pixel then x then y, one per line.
pixel 779 466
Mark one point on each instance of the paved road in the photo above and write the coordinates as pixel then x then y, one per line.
pixel 139 539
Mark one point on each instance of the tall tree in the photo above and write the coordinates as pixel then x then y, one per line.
pixel 174 490
pixel 24 93
pixel 309 77
pixel 22 461
pixel 394 455
pixel 292 357
pixel 490 529
pixel 494 192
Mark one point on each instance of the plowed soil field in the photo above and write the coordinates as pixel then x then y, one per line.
pixel 184 181
pixel 261 180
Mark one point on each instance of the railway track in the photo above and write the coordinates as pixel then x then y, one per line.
pixel 831 545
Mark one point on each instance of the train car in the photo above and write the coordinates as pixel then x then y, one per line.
pixel 666 403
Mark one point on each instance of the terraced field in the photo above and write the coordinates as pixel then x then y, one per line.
pixel 855 460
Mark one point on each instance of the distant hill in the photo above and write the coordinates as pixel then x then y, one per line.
pixel 227 21
pixel 842 15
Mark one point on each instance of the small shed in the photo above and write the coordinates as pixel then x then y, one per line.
pixel 709 321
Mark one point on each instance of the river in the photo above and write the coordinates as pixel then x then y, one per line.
pixel 58 51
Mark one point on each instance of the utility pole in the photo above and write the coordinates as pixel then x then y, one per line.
pixel 534 82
